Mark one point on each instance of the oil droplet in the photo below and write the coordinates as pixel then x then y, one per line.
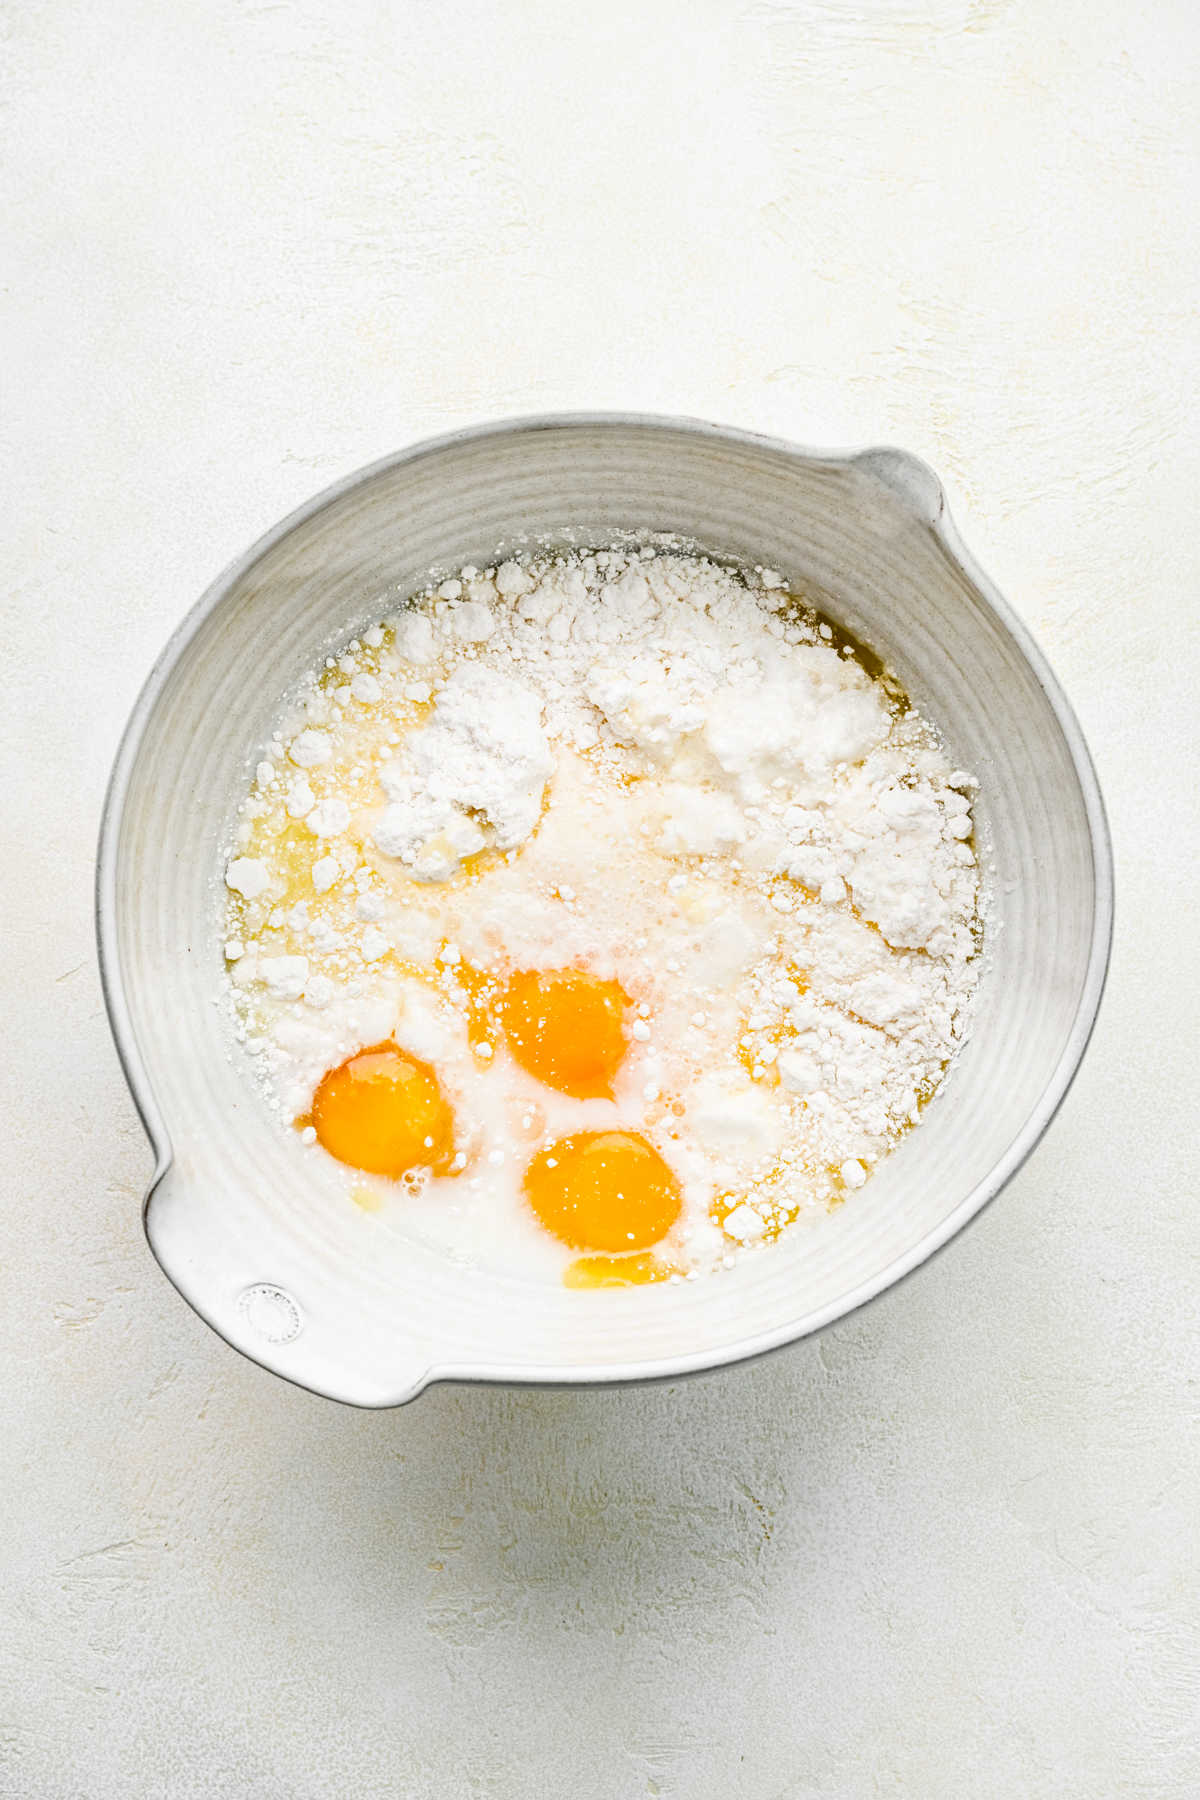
pixel 367 1197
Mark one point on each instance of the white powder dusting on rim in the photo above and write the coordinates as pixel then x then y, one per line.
pixel 655 767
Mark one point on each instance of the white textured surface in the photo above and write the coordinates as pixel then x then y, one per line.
pixel 946 1550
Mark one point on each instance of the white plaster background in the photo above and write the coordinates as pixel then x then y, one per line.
pixel 949 1550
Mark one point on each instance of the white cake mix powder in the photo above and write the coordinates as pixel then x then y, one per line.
pixel 652 767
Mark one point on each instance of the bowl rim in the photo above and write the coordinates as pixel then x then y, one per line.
pixel 922 490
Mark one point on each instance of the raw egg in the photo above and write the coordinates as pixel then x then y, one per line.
pixel 567 1028
pixel 383 1110
pixel 603 1190
pixel 616 1271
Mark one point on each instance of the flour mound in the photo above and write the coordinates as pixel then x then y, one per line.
pixel 473 777
pixel 644 764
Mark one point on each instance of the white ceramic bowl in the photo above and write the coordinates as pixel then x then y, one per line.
pixel 250 1229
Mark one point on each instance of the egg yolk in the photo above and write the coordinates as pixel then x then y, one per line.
pixel 603 1190
pixel 382 1110
pixel 616 1271
pixel 567 1028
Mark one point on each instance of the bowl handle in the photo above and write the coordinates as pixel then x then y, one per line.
pixel 912 481
pixel 238 1268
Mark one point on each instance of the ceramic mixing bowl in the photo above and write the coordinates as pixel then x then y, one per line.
pixel 255 1233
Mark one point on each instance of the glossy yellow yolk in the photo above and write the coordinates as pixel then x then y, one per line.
pixel 383 1111
pixel 567 1028
pixel 603 1190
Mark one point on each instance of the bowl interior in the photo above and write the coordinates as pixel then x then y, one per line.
pixel 364 1312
